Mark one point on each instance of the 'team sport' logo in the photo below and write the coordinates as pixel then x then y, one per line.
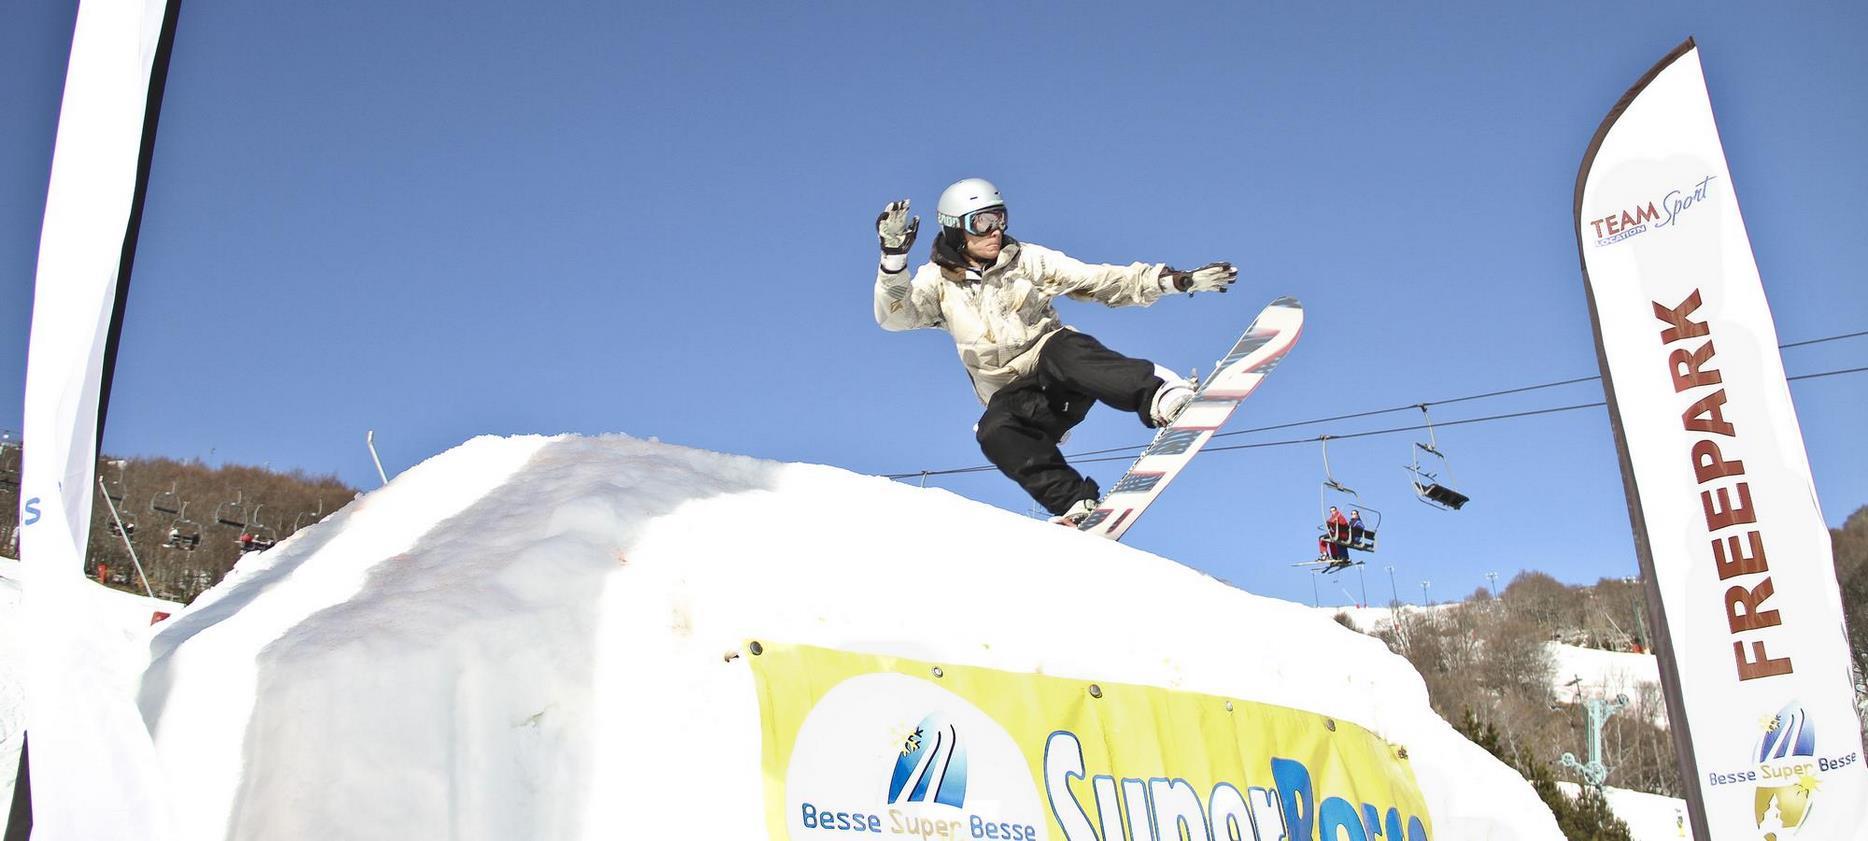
pixel 1639 218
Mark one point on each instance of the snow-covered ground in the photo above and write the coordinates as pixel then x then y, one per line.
pixel 126 616
pixel 1650 817
pixel 524 638
pixel 1603 673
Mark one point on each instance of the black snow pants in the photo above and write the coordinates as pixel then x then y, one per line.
pixel 1023 421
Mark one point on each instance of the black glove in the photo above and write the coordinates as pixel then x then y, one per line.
pixel 895 230
pixel 1212 277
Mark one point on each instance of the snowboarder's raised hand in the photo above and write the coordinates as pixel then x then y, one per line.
pixel 1212 277
pixel 895 229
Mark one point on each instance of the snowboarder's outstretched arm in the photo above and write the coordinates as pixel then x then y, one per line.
pixel 1137 284
pixel 1133 285
pixel 901 304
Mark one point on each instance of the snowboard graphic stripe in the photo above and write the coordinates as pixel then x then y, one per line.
pixel 1235 376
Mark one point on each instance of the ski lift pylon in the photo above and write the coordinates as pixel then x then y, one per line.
pixel 1427 485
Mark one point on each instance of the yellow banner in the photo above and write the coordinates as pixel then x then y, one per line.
pixel 859 746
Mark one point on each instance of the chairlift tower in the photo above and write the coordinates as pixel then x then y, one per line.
pixel 1596 710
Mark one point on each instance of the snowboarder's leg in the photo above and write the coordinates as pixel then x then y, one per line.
pixel 1019 434
pixel 1078 362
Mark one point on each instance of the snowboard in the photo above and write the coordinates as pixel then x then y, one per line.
pixel 1234 376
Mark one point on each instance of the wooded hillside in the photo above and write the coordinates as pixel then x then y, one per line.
pixel 185 520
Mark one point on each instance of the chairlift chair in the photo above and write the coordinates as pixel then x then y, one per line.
pixel 184 534
pixel 264 536
pixel 166 502
pixel 122 522
pixel 1345 535
pixel 113 490
pixel 1427 485
pixel 306 518
pixel 232 514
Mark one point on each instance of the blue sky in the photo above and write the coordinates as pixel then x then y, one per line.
pixel 657 220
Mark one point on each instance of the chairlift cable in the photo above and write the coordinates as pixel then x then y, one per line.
pixel 1448 401
pixel 1126 453
pixel 1823 339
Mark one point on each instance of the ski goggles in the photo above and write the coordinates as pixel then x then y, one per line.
pixel 984 221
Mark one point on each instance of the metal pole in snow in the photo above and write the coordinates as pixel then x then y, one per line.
pixel 125 534
pixel 369 438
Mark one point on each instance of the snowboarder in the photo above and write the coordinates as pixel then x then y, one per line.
pixel 1036 376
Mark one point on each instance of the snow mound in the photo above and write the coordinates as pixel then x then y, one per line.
pixel 524 638
pixel 122 618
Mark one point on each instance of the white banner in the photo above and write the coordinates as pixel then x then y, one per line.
pixel 1734 548
pixel 93 772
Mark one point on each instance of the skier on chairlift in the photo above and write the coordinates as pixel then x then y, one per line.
pixel 1036 376
pixel 1337 526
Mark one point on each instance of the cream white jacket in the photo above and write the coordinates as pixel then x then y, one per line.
pixel 1001 317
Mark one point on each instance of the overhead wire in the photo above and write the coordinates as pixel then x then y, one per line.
pixel 1127 452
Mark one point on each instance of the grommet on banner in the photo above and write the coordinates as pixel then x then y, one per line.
pixel 1228 706
pixel 1096 691
pixel 938 672
pixel 755 648
pixel 1401 752
pixel 1330 724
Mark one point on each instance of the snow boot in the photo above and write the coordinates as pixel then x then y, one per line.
pixel 1171 398
pixel 1074 515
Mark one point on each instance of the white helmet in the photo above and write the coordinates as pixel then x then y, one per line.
pixel 960 201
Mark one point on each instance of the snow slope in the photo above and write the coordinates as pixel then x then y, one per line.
pixel 524 638
pixel 1604 672
pixel 1650 817
pixel 1599 673
pixel 124 617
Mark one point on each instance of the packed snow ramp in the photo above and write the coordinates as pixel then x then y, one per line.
pixel 612 638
